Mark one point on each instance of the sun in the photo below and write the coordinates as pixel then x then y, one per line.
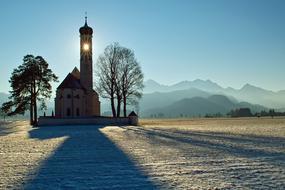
pixel 85 47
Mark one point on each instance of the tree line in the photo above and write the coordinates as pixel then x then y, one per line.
pixel 240 112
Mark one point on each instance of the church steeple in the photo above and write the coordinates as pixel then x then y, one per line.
pixel 75 96
pixel 86 70
pixel 86 29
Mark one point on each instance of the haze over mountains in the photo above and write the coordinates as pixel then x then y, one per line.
pixel 3 97
pixel 199 106
pixel 201 97
pixel 198 97
pixel 247 93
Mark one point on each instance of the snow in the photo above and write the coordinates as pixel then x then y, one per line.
pixel 160 154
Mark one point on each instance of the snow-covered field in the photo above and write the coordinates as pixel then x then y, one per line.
pixel 160 154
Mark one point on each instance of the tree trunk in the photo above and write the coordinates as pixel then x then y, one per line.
pixel 35 105
pixel 113 106
pixel 31 112
pixel 35 112
pixel 125 106
pixel 119 106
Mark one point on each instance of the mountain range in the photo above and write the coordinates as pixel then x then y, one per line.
pixel 200 106
pixel 248 93
pixel 198 97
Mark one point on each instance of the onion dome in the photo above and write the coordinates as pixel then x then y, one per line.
pixel 86 30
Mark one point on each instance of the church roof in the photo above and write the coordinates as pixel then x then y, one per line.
pixel 133 114
pixel 76 73
pixel 71 81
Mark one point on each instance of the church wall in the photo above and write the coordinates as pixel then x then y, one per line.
pixel 96 105
pixel 50 121
pixel 57 107
pixel 70 103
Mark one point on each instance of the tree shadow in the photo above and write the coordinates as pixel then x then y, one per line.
pixel 249 146
pixel 7 128
pixel 87 159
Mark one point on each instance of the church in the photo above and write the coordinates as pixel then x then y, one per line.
pixel 75 96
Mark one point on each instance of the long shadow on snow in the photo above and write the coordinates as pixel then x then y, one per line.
pixel 249 146
pixel 241 139
pixel 87 159
pixel 4 130
pixel 7 128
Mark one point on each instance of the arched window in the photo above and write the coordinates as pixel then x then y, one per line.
pixel 68 112
pixel 77 112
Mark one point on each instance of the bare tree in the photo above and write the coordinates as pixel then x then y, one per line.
pixel 106 72
pixel 118 90
pixel 120 78
pixel 132 79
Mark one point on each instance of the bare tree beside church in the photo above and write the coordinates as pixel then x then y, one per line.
pixel 131 79
pixel 120 78
pixel 107 71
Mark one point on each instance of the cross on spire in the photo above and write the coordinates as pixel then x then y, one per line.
pixel 85 17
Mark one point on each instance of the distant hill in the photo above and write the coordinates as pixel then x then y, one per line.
pixel 223 101
pixel 257 95
pixel 248 93
pixel 50 104
pixel 200 106
pixel 161 99
pixel 208 86
pixel 151 86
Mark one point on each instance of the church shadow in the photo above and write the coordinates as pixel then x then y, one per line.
pixel 87 159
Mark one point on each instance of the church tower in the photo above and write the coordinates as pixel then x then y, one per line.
pixel 92 104
pixel 75 96
pixel 86 63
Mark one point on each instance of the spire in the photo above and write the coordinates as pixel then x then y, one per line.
pixel 85 17
pixel 86 29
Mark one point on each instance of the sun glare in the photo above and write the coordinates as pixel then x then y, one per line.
pixel 86 47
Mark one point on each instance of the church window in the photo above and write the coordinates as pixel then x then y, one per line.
pixel 77 112
pixel 68 112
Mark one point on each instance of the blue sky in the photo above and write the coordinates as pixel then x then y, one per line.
pixel 231 42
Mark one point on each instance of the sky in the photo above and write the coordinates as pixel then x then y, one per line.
pixel 231 42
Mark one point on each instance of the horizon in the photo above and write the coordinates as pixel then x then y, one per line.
pixel 205 80
pixel 218 41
